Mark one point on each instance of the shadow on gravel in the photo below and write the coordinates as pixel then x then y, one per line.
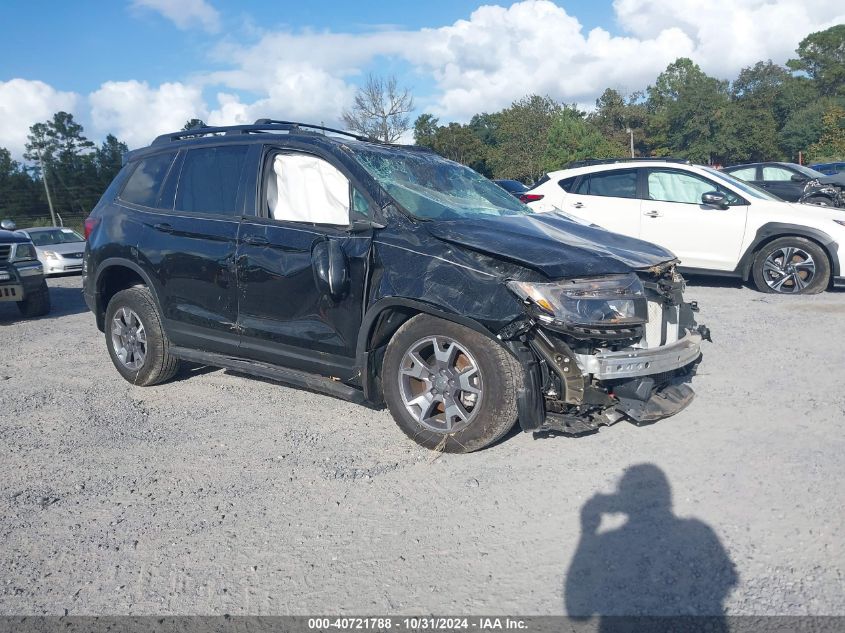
pixel 64 302
pixel 655 564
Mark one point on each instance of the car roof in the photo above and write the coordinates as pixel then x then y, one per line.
pixel 626 164
pixel 264 130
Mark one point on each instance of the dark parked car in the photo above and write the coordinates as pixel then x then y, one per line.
pixel 382 274
pixel 518 190
pixel 21 274
pixel 793 182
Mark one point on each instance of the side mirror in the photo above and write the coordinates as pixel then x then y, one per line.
pixel 330 268
pixel 8 225
pixel 715 199
pixel 798 178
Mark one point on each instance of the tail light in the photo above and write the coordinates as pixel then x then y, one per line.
pixel 89 225
pixel 525 198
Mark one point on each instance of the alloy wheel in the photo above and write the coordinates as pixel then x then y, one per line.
pixel 129 339
pixel 440 384
pixel 789 269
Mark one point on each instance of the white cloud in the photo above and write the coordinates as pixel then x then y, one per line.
pixel 136 113
pixel 23 103
pixel 482 63
pixel 185 14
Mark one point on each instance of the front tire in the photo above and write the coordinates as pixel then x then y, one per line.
pixel 36 303
pixel 135 338
pixel 821 201
pixel 791 265
pixel 448 387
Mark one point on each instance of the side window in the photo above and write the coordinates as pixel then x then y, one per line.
pixel 360 204
pixel 615 184
pixel 747 173
pixel 210 179
pixel 145 183
pixel 566 184
pixel 777 174
pixel 305 188
pixel 686 188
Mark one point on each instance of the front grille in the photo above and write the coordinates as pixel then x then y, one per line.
pixel 5 250
pixel 74 255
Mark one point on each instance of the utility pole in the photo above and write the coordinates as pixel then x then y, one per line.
pixel 631 133
pixel 46 188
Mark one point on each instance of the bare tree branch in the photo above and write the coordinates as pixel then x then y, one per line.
pixel 381 110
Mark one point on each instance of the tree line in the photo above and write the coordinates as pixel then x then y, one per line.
pixel 768 112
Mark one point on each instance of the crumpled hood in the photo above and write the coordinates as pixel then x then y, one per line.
pixel 552 244
pixel 835 179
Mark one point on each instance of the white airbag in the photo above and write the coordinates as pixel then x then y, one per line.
pixel 307 189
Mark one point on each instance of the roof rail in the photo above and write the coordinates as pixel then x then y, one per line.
pixel 261 125
pixel 609 161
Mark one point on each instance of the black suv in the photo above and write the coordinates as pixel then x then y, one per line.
pixel 381 273
pixel 21 274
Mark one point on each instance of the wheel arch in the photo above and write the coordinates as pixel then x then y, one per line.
pixel 380 323
pixel 113 275
pixel 776 230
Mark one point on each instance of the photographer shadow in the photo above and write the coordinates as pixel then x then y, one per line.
pixel 655 565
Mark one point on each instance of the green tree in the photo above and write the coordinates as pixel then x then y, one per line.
pixel 521 133
pixel 572 138
pixel 831 144
pixel 804 128
pixel 192 124
pixel 688 108
pixel 822 56
pixel 615 115
pixel 108 159
pixel 425 127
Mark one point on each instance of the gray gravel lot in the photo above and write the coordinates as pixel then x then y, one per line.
pixel 217 493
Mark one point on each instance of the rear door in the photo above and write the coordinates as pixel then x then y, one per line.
pixel 189 242
pixel 607 198
pixel 701 236
pixel 286 316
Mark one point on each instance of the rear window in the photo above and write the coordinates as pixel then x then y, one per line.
pixel 567 183
pixel 614 184
pixel 144 185
pixel 210 180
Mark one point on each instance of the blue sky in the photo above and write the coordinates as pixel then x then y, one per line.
pixel 137 68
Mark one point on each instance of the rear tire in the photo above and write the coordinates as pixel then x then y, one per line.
pixel 477 388
pixel 791 265
pixel 36 303
pixel 135 338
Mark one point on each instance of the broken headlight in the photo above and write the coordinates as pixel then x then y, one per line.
pixel 601 301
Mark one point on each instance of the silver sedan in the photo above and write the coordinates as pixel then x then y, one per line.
pixel 60 250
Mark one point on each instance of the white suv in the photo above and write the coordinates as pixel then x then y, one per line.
pixel 715 223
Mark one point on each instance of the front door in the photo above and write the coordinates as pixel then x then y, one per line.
pixel 700 235
pixel 287 316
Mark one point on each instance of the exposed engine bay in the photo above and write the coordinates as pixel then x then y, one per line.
pixel 634 365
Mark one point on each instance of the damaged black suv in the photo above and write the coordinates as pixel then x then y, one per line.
pixel 382 274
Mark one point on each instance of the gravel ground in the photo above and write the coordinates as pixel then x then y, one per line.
pixel 217 493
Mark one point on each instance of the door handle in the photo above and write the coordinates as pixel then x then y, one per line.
pixel 653 214
pixel 163 227
pixel 256 240
pixel 578 205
